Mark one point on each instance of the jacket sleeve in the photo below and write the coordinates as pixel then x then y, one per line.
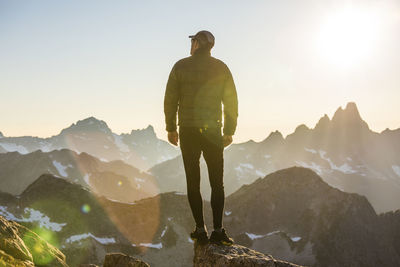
pixel 171 99
pixel 230 101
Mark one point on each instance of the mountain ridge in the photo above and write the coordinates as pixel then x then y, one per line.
pixel 343 151
pixel 291 214
pixel 140 148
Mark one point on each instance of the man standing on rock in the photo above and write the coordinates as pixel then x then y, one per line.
pixel 198 85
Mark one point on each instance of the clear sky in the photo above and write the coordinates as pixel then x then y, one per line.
pixel 292 61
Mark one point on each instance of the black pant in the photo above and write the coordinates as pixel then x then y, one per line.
pixel 193 141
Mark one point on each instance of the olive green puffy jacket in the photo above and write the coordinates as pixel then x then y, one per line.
pixel 198 85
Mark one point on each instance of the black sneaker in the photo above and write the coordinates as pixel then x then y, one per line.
pixel 199 236
pixel 221 238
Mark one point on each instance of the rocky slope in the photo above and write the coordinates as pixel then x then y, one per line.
pixel 86 226
pixel 140 148
pixel 296 216
pixel 22 247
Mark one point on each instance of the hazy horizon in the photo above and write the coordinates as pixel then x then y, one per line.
pixel 292 62
pixel 165 139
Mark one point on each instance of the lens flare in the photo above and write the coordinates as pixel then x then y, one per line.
pixel 40 243
pixel 85 208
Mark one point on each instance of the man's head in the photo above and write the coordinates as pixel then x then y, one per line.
pixel 202 40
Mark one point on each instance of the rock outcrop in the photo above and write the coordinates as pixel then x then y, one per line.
pixel 233 256
pixel 19 246
pixel 119 259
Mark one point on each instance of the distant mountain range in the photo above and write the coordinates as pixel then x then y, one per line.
pixel 342 150
pixel 140 148
pixel 291 214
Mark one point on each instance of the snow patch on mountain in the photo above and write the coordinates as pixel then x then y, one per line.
pixel 86 178
pixel 164 230
pixel 101 240
pixel 121 145
pixel 80 137
pixel 310 150
pixel 296 238
pixel 60 168
pixel 244 168
pixel 255 236
pixel 396 169
pixel 12 147
pixel 260 173
pixel 345 168
pixel 139 180
pixel 313 166
pixel 45 146
pixel 247 165
pixel 151 245
pixel 33 216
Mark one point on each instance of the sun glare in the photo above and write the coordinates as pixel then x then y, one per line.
pixel 347 37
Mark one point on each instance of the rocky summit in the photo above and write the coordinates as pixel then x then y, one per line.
pixel 119 259
pixel 223 256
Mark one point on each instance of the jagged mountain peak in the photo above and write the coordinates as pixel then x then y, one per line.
pixel 348 117
pixel 301 128
pixel 145 132
pixel 88 124
pixel 349 113
pixel 1 135
pixel 92 120
pixel 389 131
pixel 323 122
pixel 300 132
pixel 274 136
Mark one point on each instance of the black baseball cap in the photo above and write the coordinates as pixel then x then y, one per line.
pixel 204 37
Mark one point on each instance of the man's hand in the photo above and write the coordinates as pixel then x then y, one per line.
pixel 173 137
pixel 227 140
